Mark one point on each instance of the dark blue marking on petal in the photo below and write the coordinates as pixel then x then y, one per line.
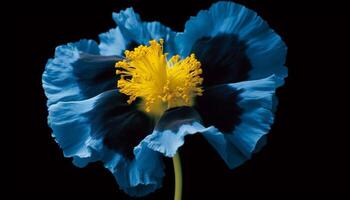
pixel 223 59
pixel 127 130
pixel 218 107
pixel 124 126
pixel 95 73
pixel 120 125
pixel 173 118
pixel 77 73
pixel 132 45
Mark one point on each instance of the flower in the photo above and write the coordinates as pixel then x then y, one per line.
pixel 128 107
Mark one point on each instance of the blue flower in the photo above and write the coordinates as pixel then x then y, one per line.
pixel 224 68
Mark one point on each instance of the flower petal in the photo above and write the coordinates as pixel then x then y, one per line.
pixel 82 128
pixel 256 102
pixel 223 59
pixel 171 129
pixel 218 107
pixel 78 72
pixel 264 49
pixel 235 147
pixel 125 131
pixel 131 32
pixel 167 141
pixel 232 156
pixel 138 177
pixel 173 118
pixel 113 42
pixel 106 116
pixel 256 99
pixel 143 174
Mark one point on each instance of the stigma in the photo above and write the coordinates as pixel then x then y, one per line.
pixel 160 83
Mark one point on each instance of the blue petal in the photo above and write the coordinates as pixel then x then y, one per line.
pixel 80 129
pixel 231 154
pixel 137 177
pixel 132 30
pixel 112 42
pixel 130 25
pixel 78 72
pixel 171 130
pixel 143 174
pixel 170 135
pixel 168 141
pixel 73 124
pixel 223 59
pixel 256 102
pixel 218 107
pixel 264 48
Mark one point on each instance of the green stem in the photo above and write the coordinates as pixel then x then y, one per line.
pixel 178 176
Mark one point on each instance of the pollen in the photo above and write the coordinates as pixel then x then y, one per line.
pixel 160 83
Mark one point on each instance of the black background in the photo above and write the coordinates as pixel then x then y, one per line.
pixel 305 150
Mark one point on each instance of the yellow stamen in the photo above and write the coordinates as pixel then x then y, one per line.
pixel 160 83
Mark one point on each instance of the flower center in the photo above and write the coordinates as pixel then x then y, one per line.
pixel 160 83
